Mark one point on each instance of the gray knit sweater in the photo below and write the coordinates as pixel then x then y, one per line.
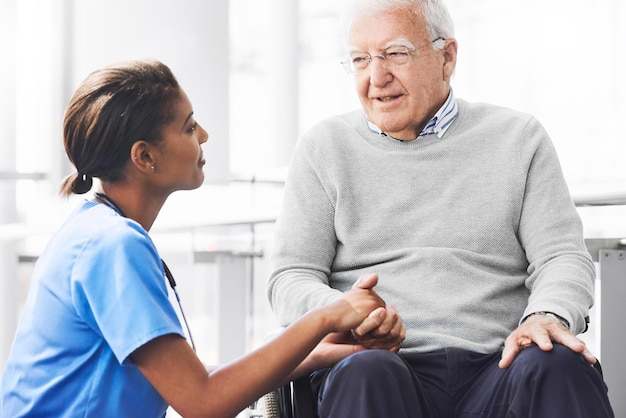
pixel 468 233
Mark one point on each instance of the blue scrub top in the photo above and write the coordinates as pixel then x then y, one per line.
pixel 97 294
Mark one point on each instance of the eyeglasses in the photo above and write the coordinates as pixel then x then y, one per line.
pixel 394 56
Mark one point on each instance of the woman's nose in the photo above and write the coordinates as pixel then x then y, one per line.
pixel 204 135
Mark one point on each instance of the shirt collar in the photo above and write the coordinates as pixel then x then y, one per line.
pixel 438 124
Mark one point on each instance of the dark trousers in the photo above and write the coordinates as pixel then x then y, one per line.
pixel 455 383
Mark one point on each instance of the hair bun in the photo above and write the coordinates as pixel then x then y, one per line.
pixel 82 183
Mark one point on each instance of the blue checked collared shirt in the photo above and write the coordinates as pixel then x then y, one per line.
pixel 438 124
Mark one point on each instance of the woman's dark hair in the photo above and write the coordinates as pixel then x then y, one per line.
pixel 112 109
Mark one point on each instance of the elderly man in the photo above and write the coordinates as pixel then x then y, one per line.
pixel 463 212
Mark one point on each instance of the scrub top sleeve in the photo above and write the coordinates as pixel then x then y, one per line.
pixel 119 289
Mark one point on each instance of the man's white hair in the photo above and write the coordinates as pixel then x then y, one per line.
pixel 439 23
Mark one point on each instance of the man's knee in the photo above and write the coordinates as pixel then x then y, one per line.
pixel 557 363
pixel 368 370
pixel 370 383
pixel 371 363
pixel 559 382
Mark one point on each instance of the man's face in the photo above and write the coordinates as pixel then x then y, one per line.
pixel 401 99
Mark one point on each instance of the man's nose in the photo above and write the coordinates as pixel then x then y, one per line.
pixel 379 73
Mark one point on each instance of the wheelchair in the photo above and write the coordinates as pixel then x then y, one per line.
pixel 293 400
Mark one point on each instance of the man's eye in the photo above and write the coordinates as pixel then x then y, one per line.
pixel 193 127
pixel 358 60
pixel 396 53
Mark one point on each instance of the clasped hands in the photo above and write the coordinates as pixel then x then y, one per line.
pixel 382 329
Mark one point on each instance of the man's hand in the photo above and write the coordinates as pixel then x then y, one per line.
pixel 543 331
pixel 385 332
pixel 357 306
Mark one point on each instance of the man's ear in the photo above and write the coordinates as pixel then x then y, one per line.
pixel 449 55
pixel 141 156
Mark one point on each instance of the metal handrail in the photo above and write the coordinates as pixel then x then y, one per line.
pixel 601 194
pixel 16 175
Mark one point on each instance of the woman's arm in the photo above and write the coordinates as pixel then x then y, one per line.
pixel 175 371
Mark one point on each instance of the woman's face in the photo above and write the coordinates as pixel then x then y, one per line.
pixel 180 162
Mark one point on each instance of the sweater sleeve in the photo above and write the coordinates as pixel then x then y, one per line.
pixel 301 264
pixel 561 272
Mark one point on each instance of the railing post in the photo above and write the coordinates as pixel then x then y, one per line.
pixel 233 301
pixel 613 295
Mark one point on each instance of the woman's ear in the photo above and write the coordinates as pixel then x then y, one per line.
pixel 141 156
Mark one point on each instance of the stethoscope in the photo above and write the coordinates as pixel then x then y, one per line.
pixel 170 278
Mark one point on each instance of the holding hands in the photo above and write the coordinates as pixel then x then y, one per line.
pixel 362 321
pixel 358 306
pixel 381 329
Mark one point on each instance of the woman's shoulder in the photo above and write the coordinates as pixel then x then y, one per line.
pixel 100 228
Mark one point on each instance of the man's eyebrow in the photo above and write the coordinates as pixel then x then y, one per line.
pixel 399 42
pixel 353 49
pixel 395 42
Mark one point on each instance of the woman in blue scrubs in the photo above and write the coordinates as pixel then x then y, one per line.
pixel 98 335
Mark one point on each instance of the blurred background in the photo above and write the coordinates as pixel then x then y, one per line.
pixel 259 73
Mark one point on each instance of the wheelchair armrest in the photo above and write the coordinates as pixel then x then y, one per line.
pixel 304 404
pixel 293 400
